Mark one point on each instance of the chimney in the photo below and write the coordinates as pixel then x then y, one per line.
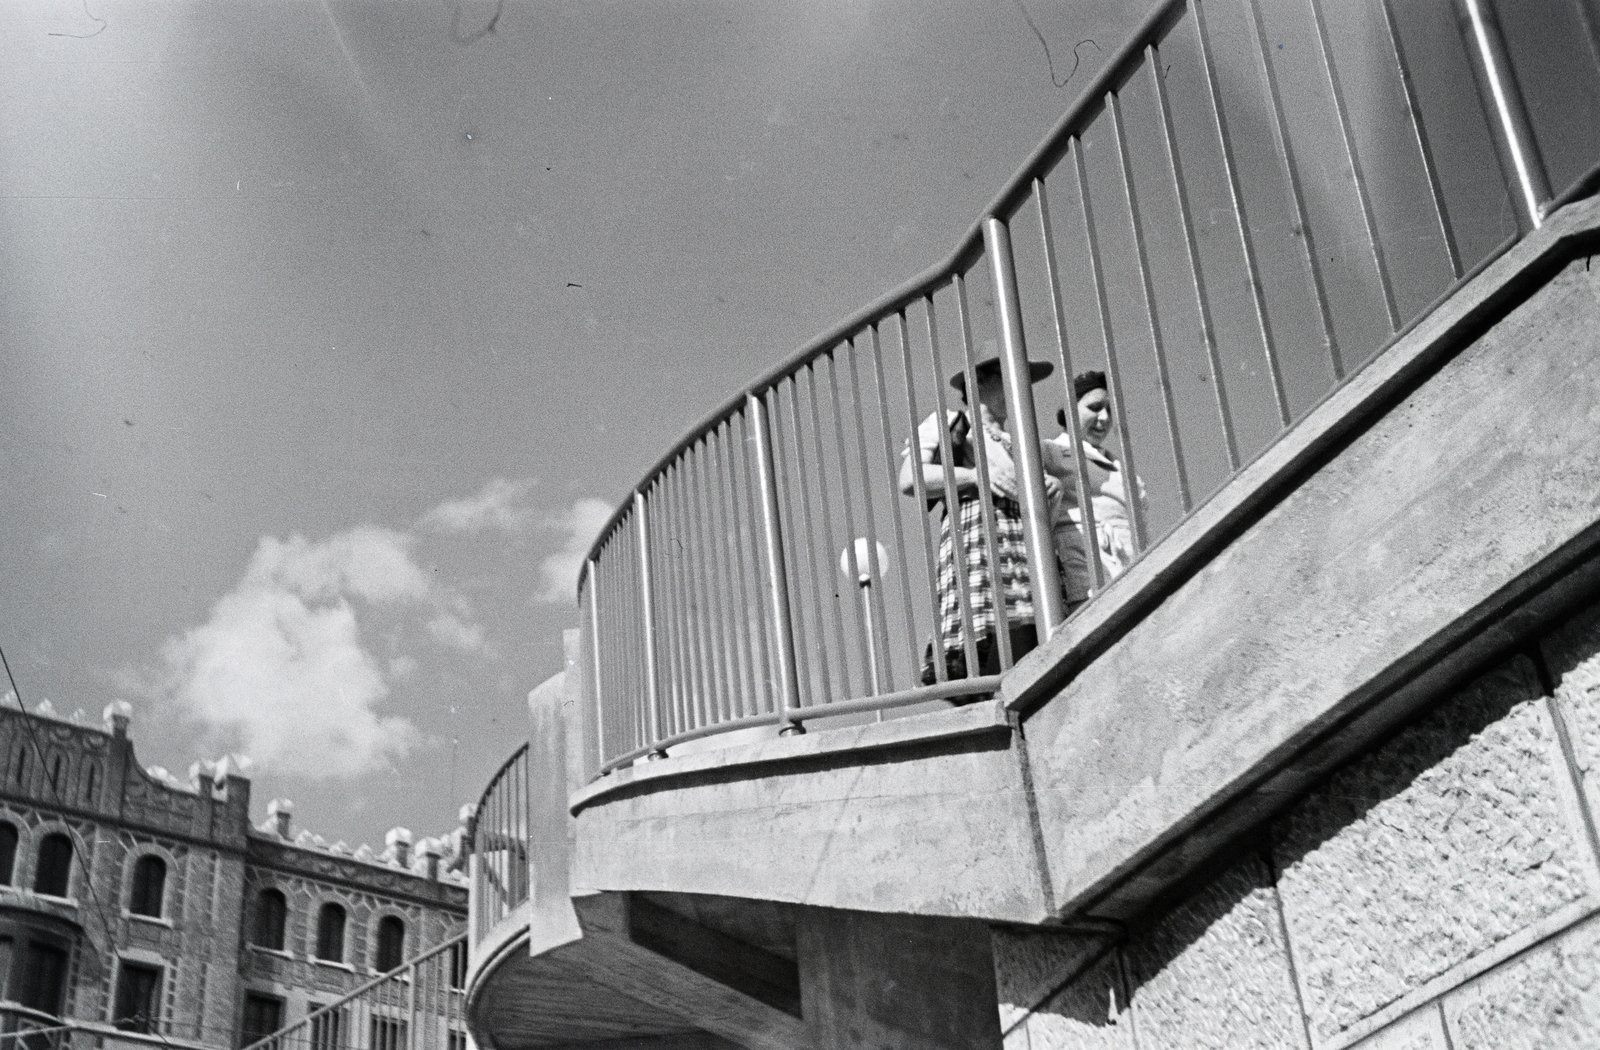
pixel 399 842
pixel 431 853
pixel 279 810
pixel 118 712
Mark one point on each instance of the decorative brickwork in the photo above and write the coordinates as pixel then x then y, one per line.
pixel 61 777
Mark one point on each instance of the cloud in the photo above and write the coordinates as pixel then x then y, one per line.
pixel 280 666
pixel 448 629
pixel 501 505
pixel 579 524
pixel 366 562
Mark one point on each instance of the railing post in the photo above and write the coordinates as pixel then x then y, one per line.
pixel 595 696
pixel 1514 132
pixel 411 1042
pixel 777 573
pixel 641 516
pixel 1048 607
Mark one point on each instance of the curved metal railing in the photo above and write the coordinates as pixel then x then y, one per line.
pixel 498 833
pixel 1249 201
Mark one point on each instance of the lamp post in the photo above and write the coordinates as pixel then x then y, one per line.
pixel 870 559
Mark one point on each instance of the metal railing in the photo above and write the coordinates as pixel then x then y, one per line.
pixel 498 833
pixel 419 1005
pixel 1251 199
pixel 23 1028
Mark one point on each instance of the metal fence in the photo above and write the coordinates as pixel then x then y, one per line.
pixel 1251 200
pixel 416 1006
pixel 498 832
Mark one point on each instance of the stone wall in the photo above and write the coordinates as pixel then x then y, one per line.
pixel 1441 892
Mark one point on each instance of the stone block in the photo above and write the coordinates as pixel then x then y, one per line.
pixel 1419 1030
pixel 1434 847
pixel 1547 998
pixel 1031 964
pixel 1091 1013
pixel 1215 971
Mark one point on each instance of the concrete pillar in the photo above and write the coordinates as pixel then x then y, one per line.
pixel 896 982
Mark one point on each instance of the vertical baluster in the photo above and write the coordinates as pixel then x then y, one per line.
pixel 739 600
pixel 808 541
pixel 777 569
pixel 1236 197
pixel 673 605
pixel 597 692
pixel 1153 324
pixel 877 614
pixel 919 492
pixel 720 581
pixel 751 517
pixel 1513 133
pixel 952 500
pixel 688 551
pixel 863 639
pixel 1419 132
pixel 1002 615
pixel 1044 577
pixel 1353 154
pixel 1058 306
pixel 641 513
pixel 1208 331
pixel 1291 174
pixel 825 527
pixel 892 473
pixel 1113 375
pixel 709 577
pixel 789 475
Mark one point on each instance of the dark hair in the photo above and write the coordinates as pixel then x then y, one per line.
pixel 1084 382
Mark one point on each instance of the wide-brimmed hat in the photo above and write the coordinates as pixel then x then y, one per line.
pixel 1037 370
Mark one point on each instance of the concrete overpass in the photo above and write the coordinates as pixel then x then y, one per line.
pixel 1317 770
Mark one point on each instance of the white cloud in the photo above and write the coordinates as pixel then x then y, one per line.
pixel 280 664
pixel 580 524
pixel 450 630
pixel 500 505
pixel 366 562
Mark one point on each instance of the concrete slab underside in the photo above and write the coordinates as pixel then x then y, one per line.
pixel 604 989
pixel 1445 506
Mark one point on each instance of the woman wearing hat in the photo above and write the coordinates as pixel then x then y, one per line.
pixel 1105 482
pixel 1011 577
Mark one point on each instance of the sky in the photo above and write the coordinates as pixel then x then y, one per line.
pixel 331 332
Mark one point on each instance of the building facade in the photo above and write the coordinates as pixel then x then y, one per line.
pixel 131 901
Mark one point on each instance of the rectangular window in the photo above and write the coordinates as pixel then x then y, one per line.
pixel 458 964
pixel 263 1015
pixel 388 1033
pixel 137 1007
pixel 458 1040
pixel 325 1028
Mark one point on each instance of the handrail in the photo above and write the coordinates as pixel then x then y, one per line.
pixel 435 975
pixel 1185 259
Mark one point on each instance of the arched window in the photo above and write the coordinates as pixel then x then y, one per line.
pixel 56 765
pixel 330 933
pixel 391 944
pixel 8 852
pixel 149 884
pixel 55 864
pixel 271 911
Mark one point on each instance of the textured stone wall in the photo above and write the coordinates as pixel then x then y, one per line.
pixel 1441 891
